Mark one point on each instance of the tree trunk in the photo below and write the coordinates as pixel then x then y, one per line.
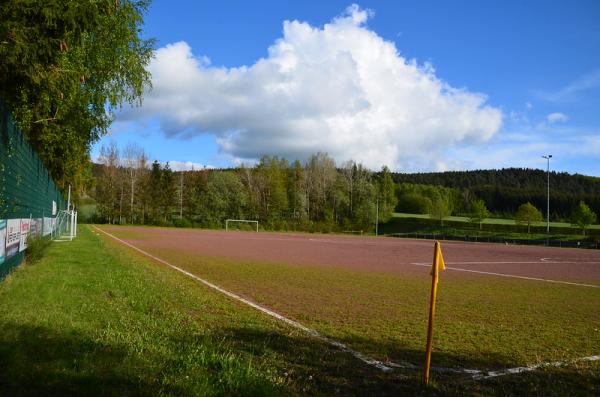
pixel 132 200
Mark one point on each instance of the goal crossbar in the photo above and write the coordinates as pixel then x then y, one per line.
pixel 239 220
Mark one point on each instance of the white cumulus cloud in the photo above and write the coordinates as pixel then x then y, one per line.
pixel 557 117
pixel 186 165
pixel 339 88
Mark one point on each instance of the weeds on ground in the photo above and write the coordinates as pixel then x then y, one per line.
pixel 36 246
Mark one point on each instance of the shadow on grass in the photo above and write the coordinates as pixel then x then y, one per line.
pixel 314 367
pixel 37 361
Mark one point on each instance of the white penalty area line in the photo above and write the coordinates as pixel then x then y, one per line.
pixel 458 269
pixel 295 324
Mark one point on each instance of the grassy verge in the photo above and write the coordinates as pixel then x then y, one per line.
pixel 492 221
pixel 95 318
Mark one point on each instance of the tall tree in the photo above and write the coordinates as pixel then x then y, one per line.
pixel 225 198
pixel 271 176
pixel 296 190
pixel 154 191
pixel 441 207
pixel 386 194
pixel 107 189
pixel 133 160
pixel 364 206
pixel 167 193
pixel 528 214
pixel 583 216
pixel 320 177
pixel 252 188
pixel 143 198
pixel 64 66
pixel 479 212
pixel 349 171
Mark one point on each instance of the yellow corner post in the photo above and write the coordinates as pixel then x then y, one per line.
pixel 438 264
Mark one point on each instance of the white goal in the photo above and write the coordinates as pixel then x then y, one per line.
pixel 65 226
pixel 228 221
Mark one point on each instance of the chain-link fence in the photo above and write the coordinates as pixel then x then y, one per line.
pixel 550 242
pixel 29 199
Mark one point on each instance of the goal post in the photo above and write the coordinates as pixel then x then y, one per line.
pixel 358 232
pixel 228 221
pixel 64 226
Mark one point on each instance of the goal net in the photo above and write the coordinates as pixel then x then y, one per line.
pixel 65 225
pixel 230 222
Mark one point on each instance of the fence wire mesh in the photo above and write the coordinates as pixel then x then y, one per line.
pixel 29 198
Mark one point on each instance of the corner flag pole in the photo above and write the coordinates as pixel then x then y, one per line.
pixel 438 264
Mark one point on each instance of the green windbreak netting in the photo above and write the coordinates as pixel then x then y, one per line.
pixel 29 199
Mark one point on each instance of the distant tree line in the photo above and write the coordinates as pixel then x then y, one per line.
pixel 315 195
pixel 321 195
pixel 502 191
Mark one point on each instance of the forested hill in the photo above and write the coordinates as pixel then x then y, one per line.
pixel 504 190
pixel 516 178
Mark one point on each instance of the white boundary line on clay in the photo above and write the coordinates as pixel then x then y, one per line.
pixel 542 261
pixel 518 370
pixel 386 367
pixel 510 275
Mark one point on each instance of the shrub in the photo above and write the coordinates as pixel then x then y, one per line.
pixel 182 223
pixel 163 223
pixel 36 247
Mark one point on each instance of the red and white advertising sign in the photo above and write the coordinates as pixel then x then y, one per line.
pixel 25 225
pixel 2 240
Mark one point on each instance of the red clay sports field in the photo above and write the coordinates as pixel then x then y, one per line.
pixel 389 255
pixel 500 307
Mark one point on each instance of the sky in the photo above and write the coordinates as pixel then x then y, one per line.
pixel 415 86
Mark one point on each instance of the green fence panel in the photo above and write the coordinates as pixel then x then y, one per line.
pixel 29 198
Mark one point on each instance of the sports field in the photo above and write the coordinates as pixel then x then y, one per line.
pixel 499 307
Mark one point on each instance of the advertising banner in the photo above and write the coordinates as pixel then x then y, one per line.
pixel 47 226
pixel 2 240
pixel 13 237
pixel 35 228
pixel 25 225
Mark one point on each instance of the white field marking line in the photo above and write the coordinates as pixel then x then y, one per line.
pixel 295 324
pixel 511 275
pixel 296 239
pixel 312 240
pixel 541 261
pixel 518 370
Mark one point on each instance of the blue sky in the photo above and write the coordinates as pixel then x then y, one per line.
pixel 417 86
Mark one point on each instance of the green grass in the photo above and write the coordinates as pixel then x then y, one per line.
pixel 490 221
pixel 82 321
pixel 95 318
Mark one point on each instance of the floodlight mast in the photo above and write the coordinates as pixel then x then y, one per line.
pixel 548 157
